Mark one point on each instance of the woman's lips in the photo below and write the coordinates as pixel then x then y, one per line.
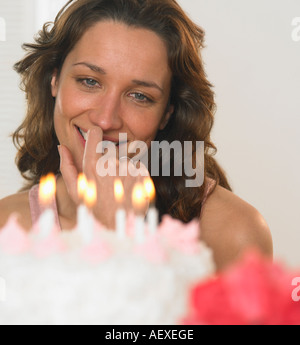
pixel 113 140
pixel 82 135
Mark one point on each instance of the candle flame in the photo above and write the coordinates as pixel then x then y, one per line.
pixel 81 186
pixel 118 190
pixel 149 188
pixel 47 188
pixel 138 196
pixel 90 195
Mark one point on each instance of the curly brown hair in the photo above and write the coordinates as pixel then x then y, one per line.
pixel 191 92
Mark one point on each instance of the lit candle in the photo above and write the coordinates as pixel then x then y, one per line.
pixel 152 215
pixel 81 186
pixel 47 189
pixel 139 202
pixel 87 194
pixel 82 211
pixel 120 217
pixel 90 195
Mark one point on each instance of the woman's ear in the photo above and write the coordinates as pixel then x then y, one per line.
pixel 54 82
pixel 166 117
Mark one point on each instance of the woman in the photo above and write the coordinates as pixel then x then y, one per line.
pixel 108 67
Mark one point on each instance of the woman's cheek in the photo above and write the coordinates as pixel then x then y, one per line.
pixel 70 105
pixel 149 130
pixel 143 125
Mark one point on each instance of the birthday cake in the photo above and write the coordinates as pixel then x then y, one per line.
pixel 63 278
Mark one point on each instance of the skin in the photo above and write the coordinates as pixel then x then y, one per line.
pixel 117 80
pixel 114 81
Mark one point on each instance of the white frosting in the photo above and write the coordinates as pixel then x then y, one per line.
pixel 122 286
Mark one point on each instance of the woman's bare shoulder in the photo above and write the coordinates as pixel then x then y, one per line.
pixel 17 203
pixel 229 225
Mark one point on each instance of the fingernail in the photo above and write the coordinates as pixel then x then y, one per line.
pixel 58 148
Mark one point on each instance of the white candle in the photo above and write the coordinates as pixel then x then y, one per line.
pixel 152 215
pixel 87 193
pixel 121 223
pixel 152 220
pixel 120 216
pixel 85 224
pixel 46 223
pixel 139 229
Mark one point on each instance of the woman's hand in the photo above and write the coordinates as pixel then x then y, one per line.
pixel 105 208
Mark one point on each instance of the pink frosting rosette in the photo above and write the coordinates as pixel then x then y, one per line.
pixel 183 237
pixel 13 238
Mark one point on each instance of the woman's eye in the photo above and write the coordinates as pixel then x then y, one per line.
pixel 91 82
pixel 88 82
pixel 140 97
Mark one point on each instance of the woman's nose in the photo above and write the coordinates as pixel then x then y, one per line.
pixel 106 114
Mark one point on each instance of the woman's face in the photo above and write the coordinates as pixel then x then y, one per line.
pixel 117 78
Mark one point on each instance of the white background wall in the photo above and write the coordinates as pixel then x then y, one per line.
pixel 254 62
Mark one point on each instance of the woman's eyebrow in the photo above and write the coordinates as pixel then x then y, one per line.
pixel 100 70
pixel 91 66
pixel 148 84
